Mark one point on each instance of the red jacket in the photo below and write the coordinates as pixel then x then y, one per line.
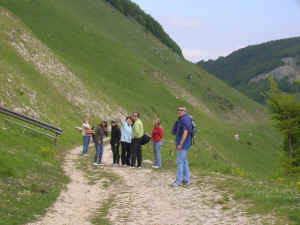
pixel 157 134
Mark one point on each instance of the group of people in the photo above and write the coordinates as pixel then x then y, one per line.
pixel 130 137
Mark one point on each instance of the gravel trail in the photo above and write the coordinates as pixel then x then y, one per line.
pixel 144 197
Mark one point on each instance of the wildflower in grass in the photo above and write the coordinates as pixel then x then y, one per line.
pixel 292 183
pixel 298 182
pixel 279 179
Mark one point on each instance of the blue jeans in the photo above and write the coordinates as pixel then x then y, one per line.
pixel 182 172
pixel 156 152
pixel 86 142
pixel 99 153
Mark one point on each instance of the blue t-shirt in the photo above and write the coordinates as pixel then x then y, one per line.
pixel 183 123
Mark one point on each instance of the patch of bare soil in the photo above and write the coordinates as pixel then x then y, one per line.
pixel 77 204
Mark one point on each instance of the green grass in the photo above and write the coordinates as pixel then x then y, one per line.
pixel 30 176
pixel 101 218
pixel 275 197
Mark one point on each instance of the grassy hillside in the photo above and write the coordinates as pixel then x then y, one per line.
pixel 85 59
pixel 130 9
pixel 244 69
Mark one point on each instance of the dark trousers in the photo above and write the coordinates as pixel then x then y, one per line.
pixel 116 154
pixel 125 157
pixel 136 152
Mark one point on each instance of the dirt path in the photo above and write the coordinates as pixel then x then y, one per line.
pixel 143 197
pixel 76 204
pixel 147 199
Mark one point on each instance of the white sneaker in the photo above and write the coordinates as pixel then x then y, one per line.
pixel 174 184
pixel 139 167
pixel 131 167
pixel 155 167
pixel 96 164
pixel 124 165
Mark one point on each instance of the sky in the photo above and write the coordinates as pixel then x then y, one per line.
pixel 210 29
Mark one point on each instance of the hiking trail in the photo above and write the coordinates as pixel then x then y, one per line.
pixel 143 197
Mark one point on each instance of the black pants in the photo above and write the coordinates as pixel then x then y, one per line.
pixel 136 152
pixel 125 157
pixel 116 154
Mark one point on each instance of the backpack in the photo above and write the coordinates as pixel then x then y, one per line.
pixel 194 131
pixel 145 139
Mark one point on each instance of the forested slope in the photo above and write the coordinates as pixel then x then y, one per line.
pixel 246 69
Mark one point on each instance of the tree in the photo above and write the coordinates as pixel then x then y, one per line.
pixel 285 111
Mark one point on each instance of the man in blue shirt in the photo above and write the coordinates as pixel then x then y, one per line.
pixel 182 129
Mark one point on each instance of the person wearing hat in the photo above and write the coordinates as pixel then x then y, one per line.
pixel 99 135
pixel 115 142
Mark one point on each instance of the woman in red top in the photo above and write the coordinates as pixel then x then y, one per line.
pixel 157 134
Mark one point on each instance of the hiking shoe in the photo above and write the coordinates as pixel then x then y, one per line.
pixel 185 182
pixel 174 184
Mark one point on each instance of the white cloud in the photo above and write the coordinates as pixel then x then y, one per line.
pixel 184 23
pixel 195 55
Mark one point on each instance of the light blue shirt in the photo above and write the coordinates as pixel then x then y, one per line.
pixel 126 132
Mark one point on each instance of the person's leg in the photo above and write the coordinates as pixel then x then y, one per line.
pixel 158 162
pixel 154 153
pixel 186 170
pixel 113 153
pixel 128 153
pixel 85 140
pixel 83 144
pixel 100 153
pixel 97 152
pixel 117 146
pixel 133 153
pixel 88 143
pixel 180 158
pixel 123 154
pixel 139 154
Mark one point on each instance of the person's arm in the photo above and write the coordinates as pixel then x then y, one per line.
pixel 185 134
pixel 122 122
pixel 140 129
pixel 100 135
pixel 160 133
pixel 97 135
pixel 174 129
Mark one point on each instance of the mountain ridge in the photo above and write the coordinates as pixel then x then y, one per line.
pixel 243 66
